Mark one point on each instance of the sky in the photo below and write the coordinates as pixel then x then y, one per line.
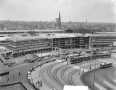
pixel 47 10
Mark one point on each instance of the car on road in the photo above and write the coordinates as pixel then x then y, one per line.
pixel 105 65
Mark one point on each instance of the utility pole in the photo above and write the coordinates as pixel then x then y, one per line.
pixel 91 48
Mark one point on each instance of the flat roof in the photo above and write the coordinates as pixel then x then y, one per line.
pixel 19 37
pixel 35 30
pixel 105 32
pixel 26 36
pixel 103 35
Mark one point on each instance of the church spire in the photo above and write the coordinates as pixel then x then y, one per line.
pixel 58 21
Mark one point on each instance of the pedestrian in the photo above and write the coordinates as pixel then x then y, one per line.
pixel 19 74
pixel 7 79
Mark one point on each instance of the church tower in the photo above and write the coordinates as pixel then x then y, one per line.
pixel 58 22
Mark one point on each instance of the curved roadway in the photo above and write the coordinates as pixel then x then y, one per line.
pixel 100 79
pixel 57 74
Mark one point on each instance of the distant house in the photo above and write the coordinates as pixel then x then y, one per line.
pixel 81 30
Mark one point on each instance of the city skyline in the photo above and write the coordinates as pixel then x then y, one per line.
pixel 47 10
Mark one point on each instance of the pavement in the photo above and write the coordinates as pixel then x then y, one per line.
pixel 55 75
pixel 13 87
pixel 101 79
pixel 18 75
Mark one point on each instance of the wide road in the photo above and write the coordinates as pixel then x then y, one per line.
pixel 101 79
pixel 57 74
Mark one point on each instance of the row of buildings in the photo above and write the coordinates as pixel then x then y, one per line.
pixel 21 44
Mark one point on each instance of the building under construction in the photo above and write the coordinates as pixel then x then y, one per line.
pixel 19 44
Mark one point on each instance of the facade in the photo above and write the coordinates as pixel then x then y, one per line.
pixel 71 42
pixel 19 45
pixel 102 40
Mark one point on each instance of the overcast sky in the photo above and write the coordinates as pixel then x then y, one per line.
pixel 47 10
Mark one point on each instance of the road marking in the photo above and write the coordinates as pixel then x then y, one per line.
pixel 114 81
pixel 76 67
pixel 58 60
pixel 99 86
pixel 109 84
pixel 68 87
pixel 60 73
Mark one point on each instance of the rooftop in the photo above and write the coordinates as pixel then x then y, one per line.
pixel 27 36
pixel 35 30
pixel 21 37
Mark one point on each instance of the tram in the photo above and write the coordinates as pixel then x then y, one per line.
pixel 73 59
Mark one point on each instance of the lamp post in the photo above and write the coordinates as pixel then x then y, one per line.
pixel 91 48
